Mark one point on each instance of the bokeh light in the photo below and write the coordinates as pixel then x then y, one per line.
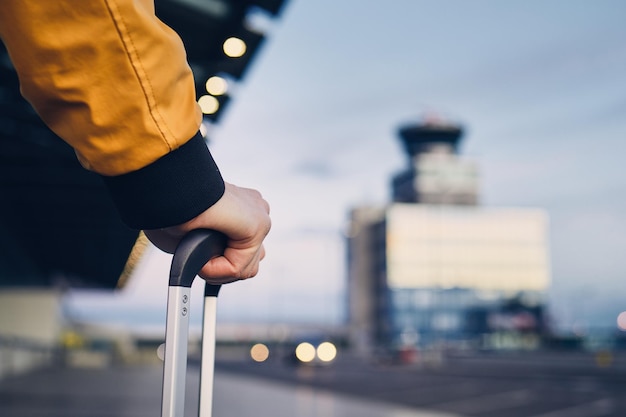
pixel 326 352
pixel 216 86
pixel 161 351
pixel 305 352
pixel 621 321
pixel 234 47
pixel 259 352
pixel 208 104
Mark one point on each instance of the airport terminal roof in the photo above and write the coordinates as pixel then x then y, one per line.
pixel 57 224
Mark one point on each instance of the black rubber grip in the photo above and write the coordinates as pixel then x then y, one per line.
pixel 193 251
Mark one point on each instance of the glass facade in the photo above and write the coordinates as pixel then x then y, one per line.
pixel 456 274
pixel 428 316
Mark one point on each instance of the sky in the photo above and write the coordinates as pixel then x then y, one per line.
pixel 539 86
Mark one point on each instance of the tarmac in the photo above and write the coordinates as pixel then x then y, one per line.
pixel 136 392
pixel 543 384
pixel 472 384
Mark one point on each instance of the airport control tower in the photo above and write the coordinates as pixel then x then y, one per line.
pixel 436 173
pixel 435 267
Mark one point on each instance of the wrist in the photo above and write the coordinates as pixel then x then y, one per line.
pixel 171 191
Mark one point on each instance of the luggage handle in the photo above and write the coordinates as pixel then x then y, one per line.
pixel 194 250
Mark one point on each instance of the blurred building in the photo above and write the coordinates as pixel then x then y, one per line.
pixel 433 266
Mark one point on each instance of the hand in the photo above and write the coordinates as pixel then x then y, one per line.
pixel 243 216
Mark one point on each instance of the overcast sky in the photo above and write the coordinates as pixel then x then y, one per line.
pixel 539 85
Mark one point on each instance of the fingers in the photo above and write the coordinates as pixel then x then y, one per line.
pixel 233 266
pixel 242 214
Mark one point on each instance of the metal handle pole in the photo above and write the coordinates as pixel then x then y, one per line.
pixel 207 366
pixel 193 251
pixel 175 361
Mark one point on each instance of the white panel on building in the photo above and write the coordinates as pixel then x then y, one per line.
pixel 502 249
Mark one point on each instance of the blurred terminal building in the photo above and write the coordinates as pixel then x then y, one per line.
pixel 435 268
pixel 58 227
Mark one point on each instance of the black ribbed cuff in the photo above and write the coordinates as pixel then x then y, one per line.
pixel 170 191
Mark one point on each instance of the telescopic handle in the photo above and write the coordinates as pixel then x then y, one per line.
pixel 195 249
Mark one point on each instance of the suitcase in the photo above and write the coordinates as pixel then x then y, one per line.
pixel 193 251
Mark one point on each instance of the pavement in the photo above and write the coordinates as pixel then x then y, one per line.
pixel 136 392
pixel 476 385
pixel 537 384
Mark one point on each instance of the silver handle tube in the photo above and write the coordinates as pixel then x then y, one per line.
pixel 192 252
pixel 207 367
pixel 175 362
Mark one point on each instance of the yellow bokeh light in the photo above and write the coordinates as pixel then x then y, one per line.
pixel 234 47
pixel 305 352
pixel 208 104
pixel 621 321
pixel 326 352
pixel 216 86
pixel 259 352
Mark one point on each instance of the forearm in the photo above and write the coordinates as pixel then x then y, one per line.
pixel 112 80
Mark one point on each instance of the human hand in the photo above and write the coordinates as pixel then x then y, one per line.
pixel 243 216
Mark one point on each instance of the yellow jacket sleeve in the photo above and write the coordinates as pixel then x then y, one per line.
pixel 112 80
pixel 107 76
